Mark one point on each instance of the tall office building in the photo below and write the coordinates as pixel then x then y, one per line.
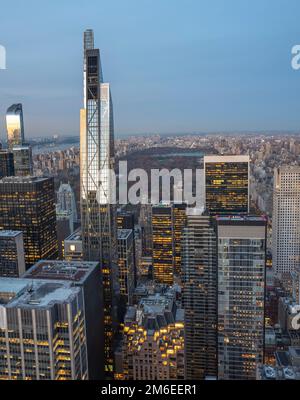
pixel 66 202
pixel 15 126
pixel 199 279
pixel 42 330
pixel 98 217
pixel 163 243
pixel 286 220
pixel 241 291
pixel 126 264
pixel 87 276
pixel 6 164
pixel 66 214
pixel 12 256
pixel 64 228
pixel 153 340
pixel 125 220
pixel 179 219
pixel 23 163
pixel 27 204
pixel 226 184
pixel 145 222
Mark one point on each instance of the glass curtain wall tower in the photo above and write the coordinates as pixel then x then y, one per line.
pixel 227 184
pixel 199 275
pixel 15 126
pixel 22 153
pixel 96 162
pixel 241 249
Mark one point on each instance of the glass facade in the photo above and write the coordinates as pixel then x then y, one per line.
pixel 12 256
pixel 179 211
pixel 27 204
pixel 199 278
pixel 126 264
pixel 226 184
pixel 6 164
pixel 99 234
pixel 163 243
pixel 23 164
pixel 14 125
pixel 241 292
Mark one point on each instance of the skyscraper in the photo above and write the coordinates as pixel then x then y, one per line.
pixel 179 217
pixel 226 184
pixel 96 160
pixel 6 164
pixel 286 220
pixel 66 214
pixel 199 279
pixel 87 276
pixel 12 256
pixel 23 160
pixel 15 125
pixel 64 228
pixel 66 202
pixel 241 291
pixel 125 220
pixel 163 243
pixel 126 264
pixel 22 152
pixel 153 341
pixel 42 330
pixel 145 222
pixel 27 204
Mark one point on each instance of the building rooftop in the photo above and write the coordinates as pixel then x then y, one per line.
pixel 14 108
pixel 21 147
pixel 9 233
pixel 75 271
pixel 267 372
pixel 226 158
pixel 24 293
pixel 124 233
pixel 162 204
pixel 156 310
pixel 23 179
pixel 282 358
pixel 12 286
pixel 75 236
pixel 241 218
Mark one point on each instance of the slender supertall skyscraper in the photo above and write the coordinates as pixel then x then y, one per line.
pixel 96 161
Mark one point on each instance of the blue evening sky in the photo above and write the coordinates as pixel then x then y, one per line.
pixel 174 65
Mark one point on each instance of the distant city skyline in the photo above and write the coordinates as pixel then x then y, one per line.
pixel 173 66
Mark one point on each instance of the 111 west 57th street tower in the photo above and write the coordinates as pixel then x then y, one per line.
pixel 96 160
